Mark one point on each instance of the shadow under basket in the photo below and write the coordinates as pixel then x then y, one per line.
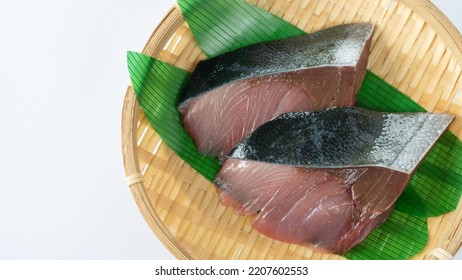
pixel 415 48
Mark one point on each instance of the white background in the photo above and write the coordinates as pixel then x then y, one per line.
pixel 63 77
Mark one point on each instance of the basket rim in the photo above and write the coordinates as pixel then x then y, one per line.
pixel 130 111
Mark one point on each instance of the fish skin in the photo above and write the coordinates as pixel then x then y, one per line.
pixel 345 137
pixel 340 45
pixel 231 95
pixel 304 193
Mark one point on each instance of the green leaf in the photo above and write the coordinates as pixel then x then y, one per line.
pixel 226 25
pixel 400 237
pixel 157 87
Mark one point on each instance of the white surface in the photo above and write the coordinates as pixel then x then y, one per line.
pixel 63 76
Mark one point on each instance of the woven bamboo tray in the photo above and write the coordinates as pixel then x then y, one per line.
pixel 415 48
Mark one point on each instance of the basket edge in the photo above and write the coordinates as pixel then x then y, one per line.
pixel 129 119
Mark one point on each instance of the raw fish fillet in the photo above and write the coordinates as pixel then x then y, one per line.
pixel 230 95
pixel 325 179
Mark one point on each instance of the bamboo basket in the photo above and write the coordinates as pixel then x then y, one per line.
pixel 415 48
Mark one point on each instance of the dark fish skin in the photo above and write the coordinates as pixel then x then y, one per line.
pixel 345 137
pixel 336 46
